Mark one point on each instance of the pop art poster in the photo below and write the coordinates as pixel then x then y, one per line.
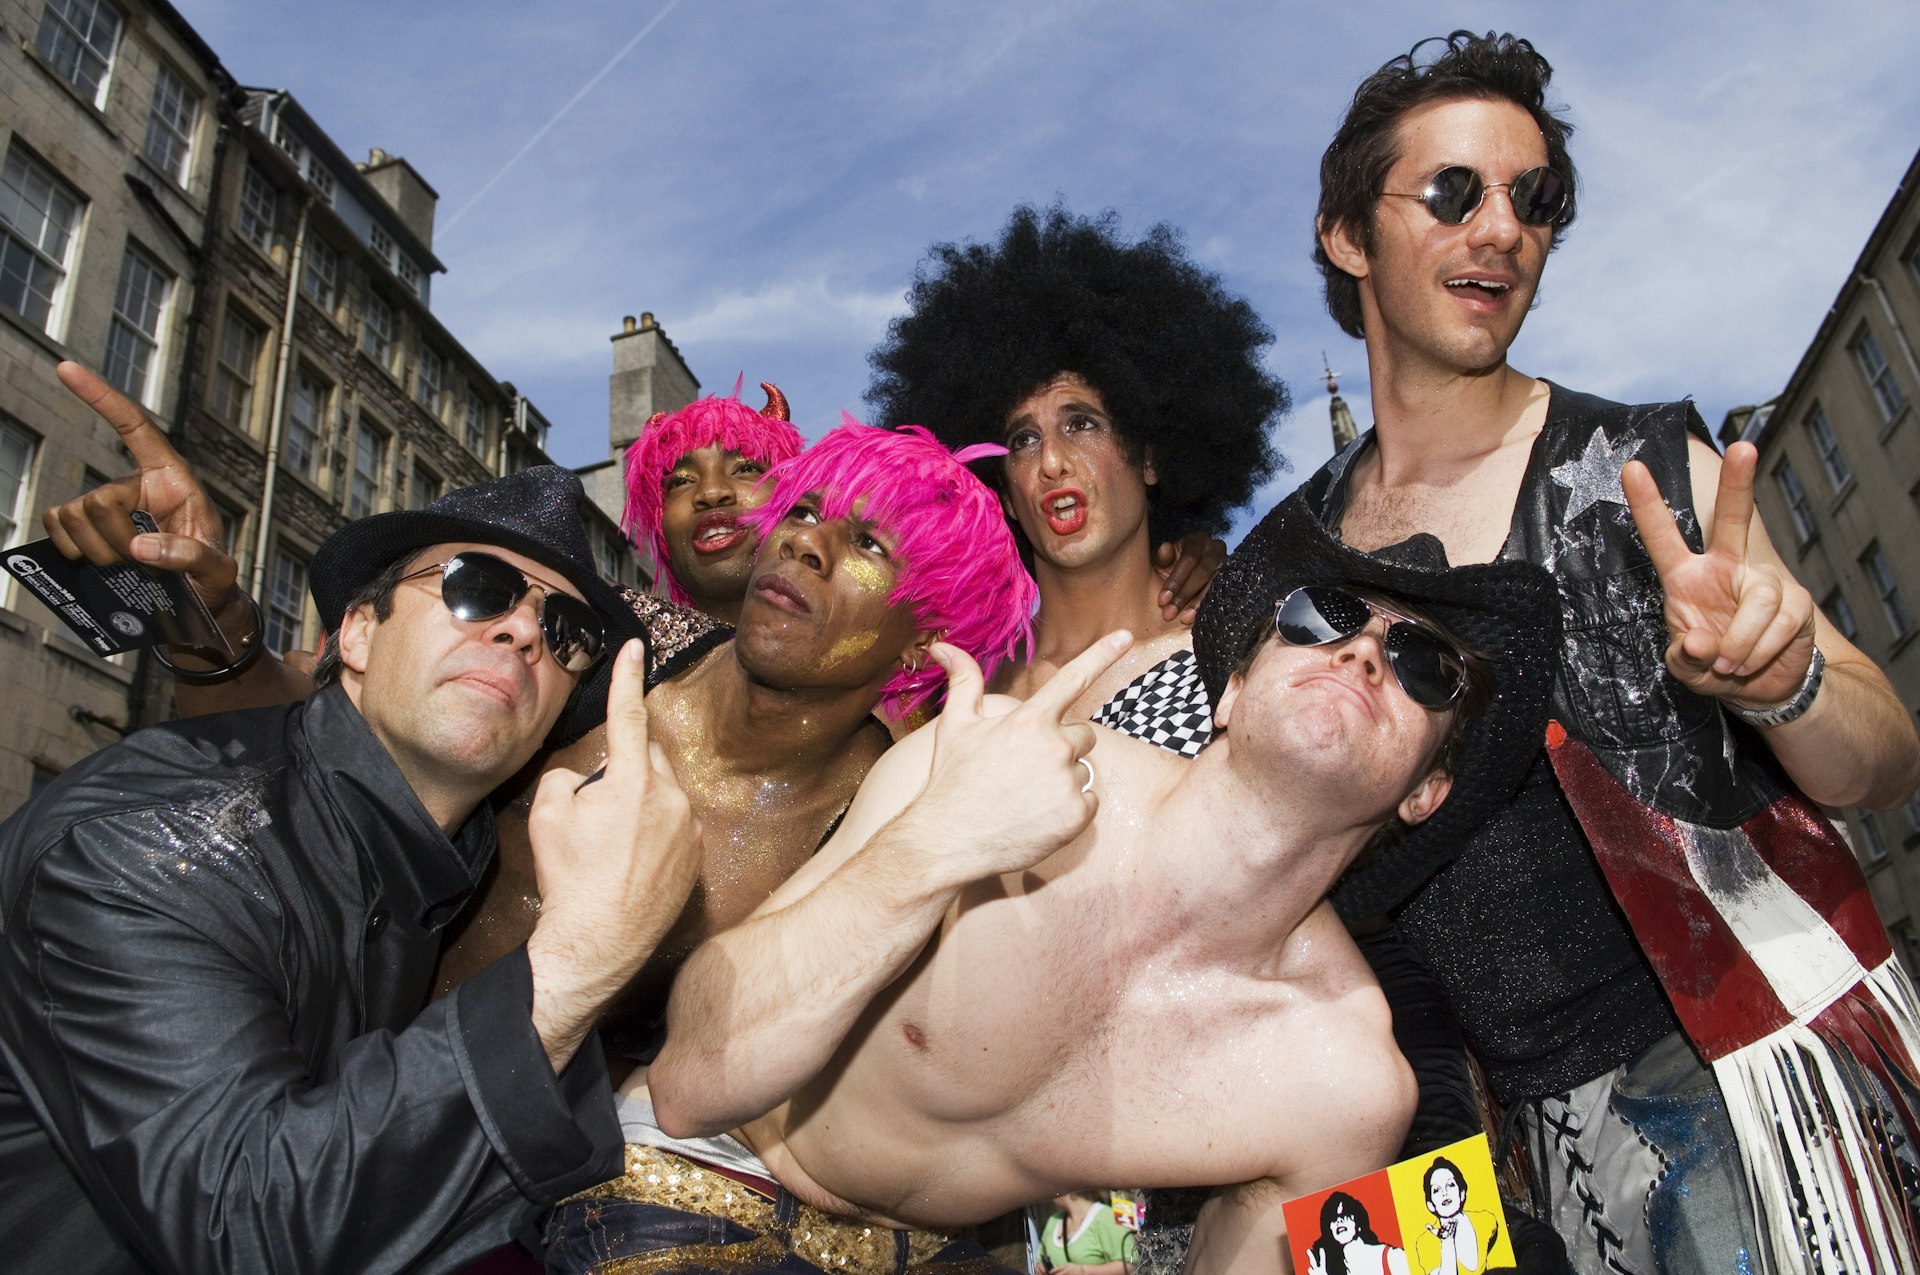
pixel 1436 1214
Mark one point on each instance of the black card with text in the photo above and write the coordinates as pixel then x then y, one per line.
pixel 115 609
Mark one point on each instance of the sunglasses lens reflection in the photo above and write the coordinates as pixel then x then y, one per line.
pixel 1539 195
pixel 479 586
pixel 1453 194
pixel 1425 664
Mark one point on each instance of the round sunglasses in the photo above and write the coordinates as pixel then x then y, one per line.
pixel 478 586
pixel 1428 667
pixel 1456 192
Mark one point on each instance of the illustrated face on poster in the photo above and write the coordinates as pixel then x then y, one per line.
pixel 1436 1214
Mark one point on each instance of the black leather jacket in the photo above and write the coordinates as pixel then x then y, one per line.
pixel 216 938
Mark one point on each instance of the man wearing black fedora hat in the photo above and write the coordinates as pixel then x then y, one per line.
pixel 216 935
pixel 925 1027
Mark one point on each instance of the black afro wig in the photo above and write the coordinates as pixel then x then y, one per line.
pixel 1175 358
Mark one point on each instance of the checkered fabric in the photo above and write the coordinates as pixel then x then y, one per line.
pixel 1166 706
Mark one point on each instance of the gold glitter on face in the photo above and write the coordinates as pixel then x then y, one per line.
pixel 868 576
pixel 851 646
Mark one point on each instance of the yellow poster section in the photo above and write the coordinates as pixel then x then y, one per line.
pixel 1449 1210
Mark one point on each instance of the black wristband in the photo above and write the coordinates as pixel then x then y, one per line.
pixel 251 649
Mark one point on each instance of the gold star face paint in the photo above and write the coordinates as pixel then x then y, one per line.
pixel 867 575
pixel 850 647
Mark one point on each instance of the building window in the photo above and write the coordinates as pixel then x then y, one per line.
pixel 1873 366
pixel 306 424
pixel 286 602
pixel 256 209
pixel 320 177
pixel 1912 812
pixel 1871 846
pixel 38 215
pixel 77 39
pixel 1880 572
pixel 1818 429
pixel 322 274
pixel 409 274
pixel 382 245
pixel 1796 496
pixel 1835 607
pixel 369 459
pixel 138 304
pixel 284 138
pixel 425 488
pixel 376 331
pixel 426 381
pixel 176 108
pixel 234 369
pixel 16 461
pixel 475 432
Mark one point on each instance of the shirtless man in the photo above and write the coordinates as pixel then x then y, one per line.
pixel 1602 979
pixel 873 543
pixel 1126 384
pixel 903 1036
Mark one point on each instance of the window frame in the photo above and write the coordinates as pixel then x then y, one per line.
pixel 13 237
pixel 173 137
pixel 312 433
pixel 1881 384
pixel 1799 510
pixel 220 397
pixel 1879 573
pixel 285 608
pixel 258 216
pixel 57 19
pixel 128 328
pixel 363 487
pixel 327 297
pixel 1826 445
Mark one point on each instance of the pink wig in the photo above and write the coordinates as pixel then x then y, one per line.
pixel 959 571
pixel 766 436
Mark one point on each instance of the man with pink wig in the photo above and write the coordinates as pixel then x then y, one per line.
pixel 690 476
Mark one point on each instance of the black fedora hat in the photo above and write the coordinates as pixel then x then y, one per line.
pixel 536 512
pixel 1509 612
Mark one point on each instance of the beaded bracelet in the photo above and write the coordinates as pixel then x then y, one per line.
pixel 251 649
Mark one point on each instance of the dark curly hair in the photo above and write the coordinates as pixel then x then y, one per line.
pixel 1175 358
pixel 1353 172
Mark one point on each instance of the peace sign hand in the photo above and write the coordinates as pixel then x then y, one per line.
pixel 1006 790
pixel 98 525
pixel 1741 627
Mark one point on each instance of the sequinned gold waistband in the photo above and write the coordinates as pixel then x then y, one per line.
pixel 832 1242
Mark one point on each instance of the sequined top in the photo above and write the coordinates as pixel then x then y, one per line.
pixel 1522 929
pixel 676 636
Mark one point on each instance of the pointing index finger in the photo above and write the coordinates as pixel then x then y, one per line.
pixel 627 755
pixel 1077 674
pixel 143 439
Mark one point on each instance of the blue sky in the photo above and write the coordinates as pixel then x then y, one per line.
pixel 764 176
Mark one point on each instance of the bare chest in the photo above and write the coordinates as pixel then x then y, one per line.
pixel 1468 507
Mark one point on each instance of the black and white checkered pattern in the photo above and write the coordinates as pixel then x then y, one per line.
pixel 1166 706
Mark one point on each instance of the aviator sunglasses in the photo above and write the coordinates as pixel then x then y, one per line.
pixel 479 586
pixel 1539 195
pixel 1428 667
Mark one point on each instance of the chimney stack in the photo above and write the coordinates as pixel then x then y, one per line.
pixel 648 376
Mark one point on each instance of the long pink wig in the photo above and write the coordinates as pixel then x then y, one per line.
pixel 766 436
pixel 959 570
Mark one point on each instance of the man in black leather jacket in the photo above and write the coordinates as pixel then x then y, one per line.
pixel 216 935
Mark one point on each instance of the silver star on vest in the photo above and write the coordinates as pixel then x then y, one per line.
pixel 1594 476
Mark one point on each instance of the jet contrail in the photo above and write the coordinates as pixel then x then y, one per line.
pixel 560 114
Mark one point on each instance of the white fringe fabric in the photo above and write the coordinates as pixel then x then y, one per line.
pixel 1824 1199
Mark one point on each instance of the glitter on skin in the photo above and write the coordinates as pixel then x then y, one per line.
pixel 850 647
pixel 867 575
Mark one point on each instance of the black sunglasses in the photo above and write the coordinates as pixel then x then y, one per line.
pixel 1539 195
pixel 1427 666
pixel 479 586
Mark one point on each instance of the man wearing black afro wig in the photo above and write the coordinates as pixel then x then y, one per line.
pixel 1126 383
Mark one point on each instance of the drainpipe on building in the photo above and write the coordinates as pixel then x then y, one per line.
pixel 1899 333
pixel 276 418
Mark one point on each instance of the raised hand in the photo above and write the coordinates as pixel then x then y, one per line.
pixel 1740 627
pixel 98 525
pixel 1005 791
pixel 615 855
pixel 1187 567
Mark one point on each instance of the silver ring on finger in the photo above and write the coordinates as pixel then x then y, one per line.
pixel 1088 786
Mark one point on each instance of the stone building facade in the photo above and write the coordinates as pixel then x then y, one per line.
pixel 212 251
pixel 1839 489
pixel 111 143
